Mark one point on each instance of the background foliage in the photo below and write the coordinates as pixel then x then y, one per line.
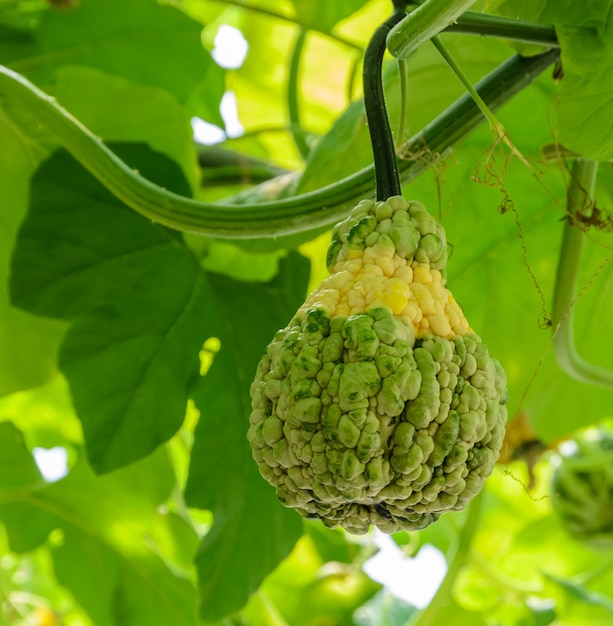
pixel 132 347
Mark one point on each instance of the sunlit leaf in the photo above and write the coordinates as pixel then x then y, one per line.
pixel 28 346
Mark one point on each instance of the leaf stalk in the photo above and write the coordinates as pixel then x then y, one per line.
pixel 579 200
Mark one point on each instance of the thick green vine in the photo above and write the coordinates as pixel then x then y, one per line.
pixel 580 200
pixel 301 214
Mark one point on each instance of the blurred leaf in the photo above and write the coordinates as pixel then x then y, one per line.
pixel 141 41
pixel 45 415
pixel 588 14
pixel 62 266
pixel 586 101
pixel 252 532
pixel 105 555
pixel 27 531
pixel 474 591
pixel 384 610
pixel 223 257
pixel 331 545
pixel 17 467
pixel 98 599
pixel 205 100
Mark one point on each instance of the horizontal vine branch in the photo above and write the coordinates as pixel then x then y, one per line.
pixel 303 213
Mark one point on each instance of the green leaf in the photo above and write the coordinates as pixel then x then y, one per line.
pixel 78 239
pixel 130 362
pixel 141 41
pixel 251 532
pixel 137 296
pixel 384 610
pixel 27 531
pixel 105 553
pixel 586 101
pixel 93 589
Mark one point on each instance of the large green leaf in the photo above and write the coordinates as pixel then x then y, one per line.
pixel 137 296
pixel 141 40
pixel 18 470
pixel 585 32
pixel 251 532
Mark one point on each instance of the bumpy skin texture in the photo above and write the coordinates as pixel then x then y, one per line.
pixel 377 404
pixel 583 486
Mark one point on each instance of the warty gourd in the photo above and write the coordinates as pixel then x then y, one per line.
pixel 377 404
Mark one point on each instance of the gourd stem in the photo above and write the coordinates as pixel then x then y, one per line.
pixel 387 177
pixel 579 201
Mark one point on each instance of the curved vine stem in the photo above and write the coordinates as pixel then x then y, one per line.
pixel 293 105
pixel 428 617
pixel 304 213
pixel 580 200
pixel 387 176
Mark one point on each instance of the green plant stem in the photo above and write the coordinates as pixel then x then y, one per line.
pixel 293 96
pixel 580 200
pixel 423 23
pixel 428 617
pixel 387 177
pixel 472 23
pixel 301 214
